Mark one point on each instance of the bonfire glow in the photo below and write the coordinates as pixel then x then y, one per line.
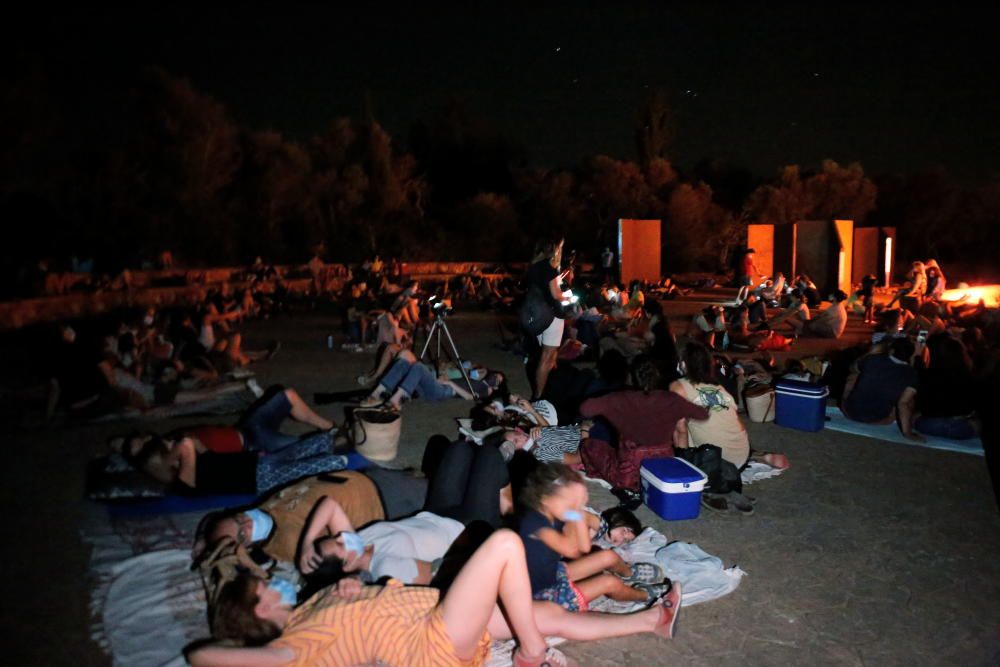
pixel 990 294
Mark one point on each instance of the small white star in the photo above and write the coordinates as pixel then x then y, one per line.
pixel 816 74
pixel 558 49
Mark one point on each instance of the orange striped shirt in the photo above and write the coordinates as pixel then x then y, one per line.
pixel 393 625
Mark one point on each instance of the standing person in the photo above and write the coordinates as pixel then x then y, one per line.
pixel 748 271
pixel 867 294
pixel 543 274
pixel 607 264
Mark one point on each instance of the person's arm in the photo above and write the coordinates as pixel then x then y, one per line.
pixel 689 410
pixel 678 388
pixel 187 457
pixel 572 542
pixel 232 656
pixel 554 289
pixel 328 517
pixel 906 413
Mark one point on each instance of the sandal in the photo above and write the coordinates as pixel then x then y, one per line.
pixel 644 573
pixel 551 658
pixel 670 609
pixel 655 592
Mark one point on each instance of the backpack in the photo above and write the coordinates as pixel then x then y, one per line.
pixel 619 467
pixel 536 314
pixel 723 476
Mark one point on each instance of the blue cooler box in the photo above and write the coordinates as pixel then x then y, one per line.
pixel 800 405
pixel 672 488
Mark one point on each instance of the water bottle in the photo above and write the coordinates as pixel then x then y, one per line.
pixel 329 342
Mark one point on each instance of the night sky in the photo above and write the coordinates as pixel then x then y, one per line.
pixel 899 90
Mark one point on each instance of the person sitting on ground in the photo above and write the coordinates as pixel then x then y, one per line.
pixel 649 413
pixel 442 630
pixel 723 427
pixel 883 390
pixel 708 326
pixel 829 323
pixel 936 282
pixel 808 289
pixel 408 378
pixel 553 526
pixel 947 400
pixel 927 319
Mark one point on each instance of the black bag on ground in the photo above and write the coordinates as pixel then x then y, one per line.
pixel 723 476
pixel 536 314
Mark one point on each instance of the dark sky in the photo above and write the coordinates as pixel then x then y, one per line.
pixel 897 89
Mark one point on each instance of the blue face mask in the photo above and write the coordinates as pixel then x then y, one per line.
pixel 263 524
pixel 289 592
pixel 353 542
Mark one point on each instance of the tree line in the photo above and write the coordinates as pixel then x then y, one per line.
pixel 178 173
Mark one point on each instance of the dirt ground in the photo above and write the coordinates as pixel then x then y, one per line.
pixel 864 552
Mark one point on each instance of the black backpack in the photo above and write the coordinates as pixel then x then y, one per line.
pixel 536 314
pixel 723 476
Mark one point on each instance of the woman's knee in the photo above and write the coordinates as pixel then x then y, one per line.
pixel 505 541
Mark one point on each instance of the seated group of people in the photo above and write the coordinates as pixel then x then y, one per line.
pixel 153 358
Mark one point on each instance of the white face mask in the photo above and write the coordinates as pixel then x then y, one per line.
pixel 528 444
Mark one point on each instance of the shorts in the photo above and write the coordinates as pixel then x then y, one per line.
pixel 746 281
pixel 553 334
pixel 564 592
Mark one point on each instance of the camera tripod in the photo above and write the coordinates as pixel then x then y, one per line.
pixel 439 330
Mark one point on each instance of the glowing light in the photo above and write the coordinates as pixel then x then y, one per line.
pixel 888 260
pixel 841 265
pixel 989 294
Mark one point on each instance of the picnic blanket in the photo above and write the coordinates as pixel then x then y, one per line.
pixel 836 421
pixel 703 576
pixel 142 581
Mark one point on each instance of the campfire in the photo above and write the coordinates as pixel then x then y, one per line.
pixel 989 294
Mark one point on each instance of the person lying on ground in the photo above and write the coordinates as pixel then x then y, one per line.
pixel 407 550
pixel 402 625
pixel 557 444
pixel 277 524
pixel 883 388
pixel 193 468
pixel 553 527
pixel 614 527
pixel 408 378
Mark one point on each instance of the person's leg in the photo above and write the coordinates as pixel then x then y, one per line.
pixel 681 434
pixel 261 423
pixel 553 620
pixel 487 476
pixel 299 411
pixel 611 586
pixel 419 381
pixel 390 381
pixel 546 363
pixel 597 562
pixel 449 481
pixel 469 608
pixel 402 494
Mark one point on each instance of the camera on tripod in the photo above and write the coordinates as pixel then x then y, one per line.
pixel 438 306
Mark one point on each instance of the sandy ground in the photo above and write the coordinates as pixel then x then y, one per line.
pixel 865 552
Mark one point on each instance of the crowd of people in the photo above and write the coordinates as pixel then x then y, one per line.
pixel 494 537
